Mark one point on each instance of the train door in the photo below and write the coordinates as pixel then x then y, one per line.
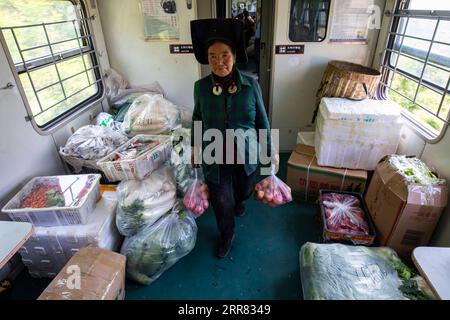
pixel 257 16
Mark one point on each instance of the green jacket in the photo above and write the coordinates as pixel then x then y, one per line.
pixel 241 110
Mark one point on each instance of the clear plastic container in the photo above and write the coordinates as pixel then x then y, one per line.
pixel 55 200
pixel 137 158
pixel 49 248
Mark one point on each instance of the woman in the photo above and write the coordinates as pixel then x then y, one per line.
pixel 228 99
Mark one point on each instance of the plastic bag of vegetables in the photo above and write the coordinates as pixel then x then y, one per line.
pixel 159 246
pixel 151 114
pixel 273 191
pixel 180 160
pixel 89 144
pixel 196 197
pixel 346 272
pixel 141 203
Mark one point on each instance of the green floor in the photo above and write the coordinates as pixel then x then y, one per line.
pixel 263 263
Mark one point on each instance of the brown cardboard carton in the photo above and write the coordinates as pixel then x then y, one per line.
pixel 405 214
pixel 306 177
pixel 91 274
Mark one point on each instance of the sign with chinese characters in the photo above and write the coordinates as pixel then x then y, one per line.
pixel 181 48
pixel 290 49
pixel 160 20
pixel 351 21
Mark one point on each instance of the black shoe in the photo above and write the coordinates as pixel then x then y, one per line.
pixel 224 247
pixel 239 209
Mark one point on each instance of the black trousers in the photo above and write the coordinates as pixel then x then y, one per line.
pixel 234 187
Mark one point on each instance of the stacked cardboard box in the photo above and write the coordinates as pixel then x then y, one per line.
pixel 306 177
pixel 91 274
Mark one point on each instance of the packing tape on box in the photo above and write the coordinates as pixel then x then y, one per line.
pixel 307 177
pixel 343 180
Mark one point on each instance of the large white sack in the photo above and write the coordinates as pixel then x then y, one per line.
pixel 151 114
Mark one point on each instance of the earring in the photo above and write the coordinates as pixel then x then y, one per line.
pixel 232 89
pixel 217 90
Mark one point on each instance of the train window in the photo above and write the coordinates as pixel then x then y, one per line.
pixel 308 20
pixel 53 53
pixel 416 68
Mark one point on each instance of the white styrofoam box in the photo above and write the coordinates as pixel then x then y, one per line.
pixel 367 111
pixel 141 166
pixel 349 130
pixel 351 155
pixel 78 192
pixel 356 134
pixel 49 249
pixel 306 138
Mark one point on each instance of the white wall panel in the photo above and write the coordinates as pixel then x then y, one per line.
pixel 296 78
pixel 143 62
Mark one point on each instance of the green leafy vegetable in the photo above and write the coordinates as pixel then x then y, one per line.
pixel 157 247
pixel 345 272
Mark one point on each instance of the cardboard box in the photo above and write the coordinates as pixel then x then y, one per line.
pixel 306 177
pixel 405 214
pixel 91 274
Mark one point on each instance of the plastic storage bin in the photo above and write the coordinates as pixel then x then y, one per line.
pixel 49 249
pixel 329 235
pixel 140 164
pixel 55 200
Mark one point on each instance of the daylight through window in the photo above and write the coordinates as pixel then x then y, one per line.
pixel 54 56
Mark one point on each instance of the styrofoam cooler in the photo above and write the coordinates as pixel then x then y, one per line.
pixel 49 249
pixel 356 134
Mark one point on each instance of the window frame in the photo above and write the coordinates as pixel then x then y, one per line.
pixel 391 48
pixel 326 25
pixel 87 47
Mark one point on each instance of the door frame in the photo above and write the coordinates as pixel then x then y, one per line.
pixel 267 39
pixel 266 52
